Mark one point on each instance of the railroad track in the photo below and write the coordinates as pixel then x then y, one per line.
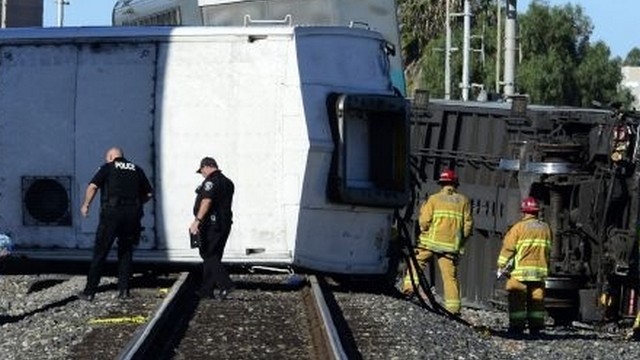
pixel 267 317
pixel 287 320
pixel 288 317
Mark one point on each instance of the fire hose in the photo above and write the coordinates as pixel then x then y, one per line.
pixel 423 283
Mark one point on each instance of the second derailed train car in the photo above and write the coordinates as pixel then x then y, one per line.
pixel 583 166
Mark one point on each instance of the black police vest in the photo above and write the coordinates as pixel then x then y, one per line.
pixel 121 185
pixel 220 212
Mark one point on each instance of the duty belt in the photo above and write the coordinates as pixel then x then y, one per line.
pixel 122 202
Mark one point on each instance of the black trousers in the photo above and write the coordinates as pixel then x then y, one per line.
pixel 123 223
pixel 213 239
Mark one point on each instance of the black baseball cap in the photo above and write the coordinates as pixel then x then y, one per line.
pixel 207 161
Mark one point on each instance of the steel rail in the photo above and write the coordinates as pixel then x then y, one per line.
pixel 145 334
pixel 330 334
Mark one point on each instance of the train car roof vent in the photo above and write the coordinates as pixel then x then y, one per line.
pixel 46 200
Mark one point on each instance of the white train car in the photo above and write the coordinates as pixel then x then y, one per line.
pixel 378 15
pixel 304 120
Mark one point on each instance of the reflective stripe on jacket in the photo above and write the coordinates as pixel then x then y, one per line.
pixel 445 221
pixel 529 242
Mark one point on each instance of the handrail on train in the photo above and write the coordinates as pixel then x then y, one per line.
pixel 287 20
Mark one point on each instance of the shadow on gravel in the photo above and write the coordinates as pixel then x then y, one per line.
pixel 44 284
pixel 280 287
pixel 4 319
pixel 149 280
pixel 544 336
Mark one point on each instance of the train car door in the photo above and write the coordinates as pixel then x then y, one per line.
pixel 114 107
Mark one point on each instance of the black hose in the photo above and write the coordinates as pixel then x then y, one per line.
pixel 412 263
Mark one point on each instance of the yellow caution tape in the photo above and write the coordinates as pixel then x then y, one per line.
pixel 120 320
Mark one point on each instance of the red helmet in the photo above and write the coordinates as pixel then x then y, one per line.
pixel 448 176
pixel 529 205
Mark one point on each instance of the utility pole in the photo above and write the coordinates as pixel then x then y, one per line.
pixel 3 20
pixel 510 48
pixel 61 4
pixel 498 45
pixel 447 55
pixel 466 50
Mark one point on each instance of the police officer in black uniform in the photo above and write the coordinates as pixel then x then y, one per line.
pixel 212 222
pixel 124 188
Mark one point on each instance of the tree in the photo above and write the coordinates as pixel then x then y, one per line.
pixel 421 21
pixel 598 77
pixel 633 58
pixel 423 41
pixel 550 58
pixel 559 65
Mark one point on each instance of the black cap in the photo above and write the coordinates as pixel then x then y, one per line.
pixel 207 161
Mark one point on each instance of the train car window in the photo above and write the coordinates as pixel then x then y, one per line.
pixel 370 164
pixel 171 17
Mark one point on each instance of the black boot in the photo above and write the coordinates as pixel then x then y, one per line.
pixel 205 294
pixel 515 332
pixel 84 296
pixel 224 293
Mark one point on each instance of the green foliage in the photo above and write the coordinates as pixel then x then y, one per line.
pixel 559 65
pixel 546 79
pixel 598 77
pixel 423 43
pixel 421 21
pixel 633 58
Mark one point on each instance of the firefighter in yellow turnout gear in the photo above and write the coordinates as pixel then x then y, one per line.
pixel 445 223
pixel 636 328
pixel 528 242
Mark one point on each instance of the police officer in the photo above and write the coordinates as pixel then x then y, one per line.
pixel 445 223
pixel 124 188
pixel 212 222
pixel 528 243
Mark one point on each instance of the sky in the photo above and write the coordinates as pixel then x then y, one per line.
pixel 613 20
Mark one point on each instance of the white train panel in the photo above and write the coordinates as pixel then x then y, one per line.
pixel 377 15
pixel 268 103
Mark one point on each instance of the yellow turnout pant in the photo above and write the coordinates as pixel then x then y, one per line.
pixel 526 304
pixel 448 271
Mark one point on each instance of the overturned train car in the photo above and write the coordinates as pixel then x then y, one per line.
pixel 582 164
pixel 303 119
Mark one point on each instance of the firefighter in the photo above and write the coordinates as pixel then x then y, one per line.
pixel 445 223
pixel 528 245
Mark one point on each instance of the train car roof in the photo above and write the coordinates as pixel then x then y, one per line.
pixel 164 33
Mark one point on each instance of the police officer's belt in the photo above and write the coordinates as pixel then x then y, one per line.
pixel 122 202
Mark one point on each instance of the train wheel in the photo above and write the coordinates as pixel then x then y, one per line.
pixel 562 306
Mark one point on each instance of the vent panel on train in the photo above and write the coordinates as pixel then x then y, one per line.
pixel 46 201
